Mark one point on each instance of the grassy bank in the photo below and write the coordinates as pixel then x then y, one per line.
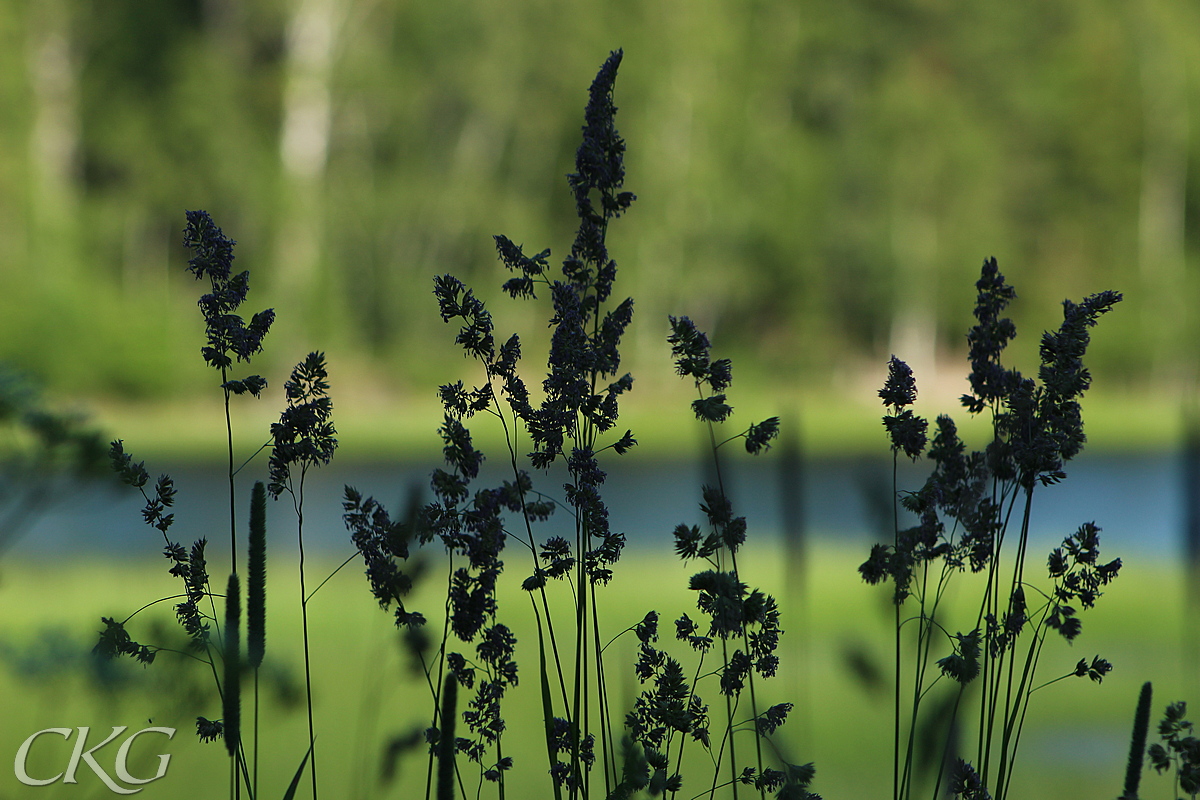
pixel 373 428
pixel 1075 743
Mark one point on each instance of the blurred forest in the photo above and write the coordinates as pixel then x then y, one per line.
pixel 818 182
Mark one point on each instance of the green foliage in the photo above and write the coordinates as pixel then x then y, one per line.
pixel 818 174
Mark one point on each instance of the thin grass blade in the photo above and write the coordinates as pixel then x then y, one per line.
pixel 291 790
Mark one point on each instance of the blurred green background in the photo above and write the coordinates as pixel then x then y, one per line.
pixel 818 183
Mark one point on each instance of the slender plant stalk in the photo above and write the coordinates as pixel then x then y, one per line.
pixel 232 493
pixel 712 437
pixel 449 715
pixel 547 702
pixel 733 771
pixel 606 743
pixel 312 733
pixel 437 685
pixel 896 609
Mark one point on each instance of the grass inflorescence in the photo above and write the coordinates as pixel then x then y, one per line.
pixel 304 437
pixel 587 749
pixel 700 724
pixel 964 515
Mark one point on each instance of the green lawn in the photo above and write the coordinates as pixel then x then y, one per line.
pixel 1074 746
pixel 659 416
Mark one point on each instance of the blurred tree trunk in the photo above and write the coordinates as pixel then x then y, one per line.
pixel 312 45
pixel 1162 204
pixel 914 321
pixel 53 140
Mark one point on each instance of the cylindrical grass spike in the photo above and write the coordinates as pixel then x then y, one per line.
pixel 256 580
pixel 445 777
pixel 1137 744
pixel 233 700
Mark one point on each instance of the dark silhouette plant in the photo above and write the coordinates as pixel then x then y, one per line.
pixel 303 438
pixel 1178 752
pixel 963 514
pixel 571 426
pixel 46 457
pixel 963 520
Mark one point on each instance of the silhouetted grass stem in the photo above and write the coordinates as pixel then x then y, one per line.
pixel 232 689
pixel 256 580
pixel 1137 743
pixel 446 742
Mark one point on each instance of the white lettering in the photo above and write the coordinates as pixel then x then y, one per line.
pixel 122 763
pixel 23 753
pixel 79 753
pixel 86 755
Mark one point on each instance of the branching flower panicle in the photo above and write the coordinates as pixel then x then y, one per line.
pixel 1177 749
pixel 384 547
pixel 743 623
pixel 304 435
pixel 990 381
pixel 229 336
pixel 907 431
pixel 190 567
pixel 579 405
pixel 962 514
